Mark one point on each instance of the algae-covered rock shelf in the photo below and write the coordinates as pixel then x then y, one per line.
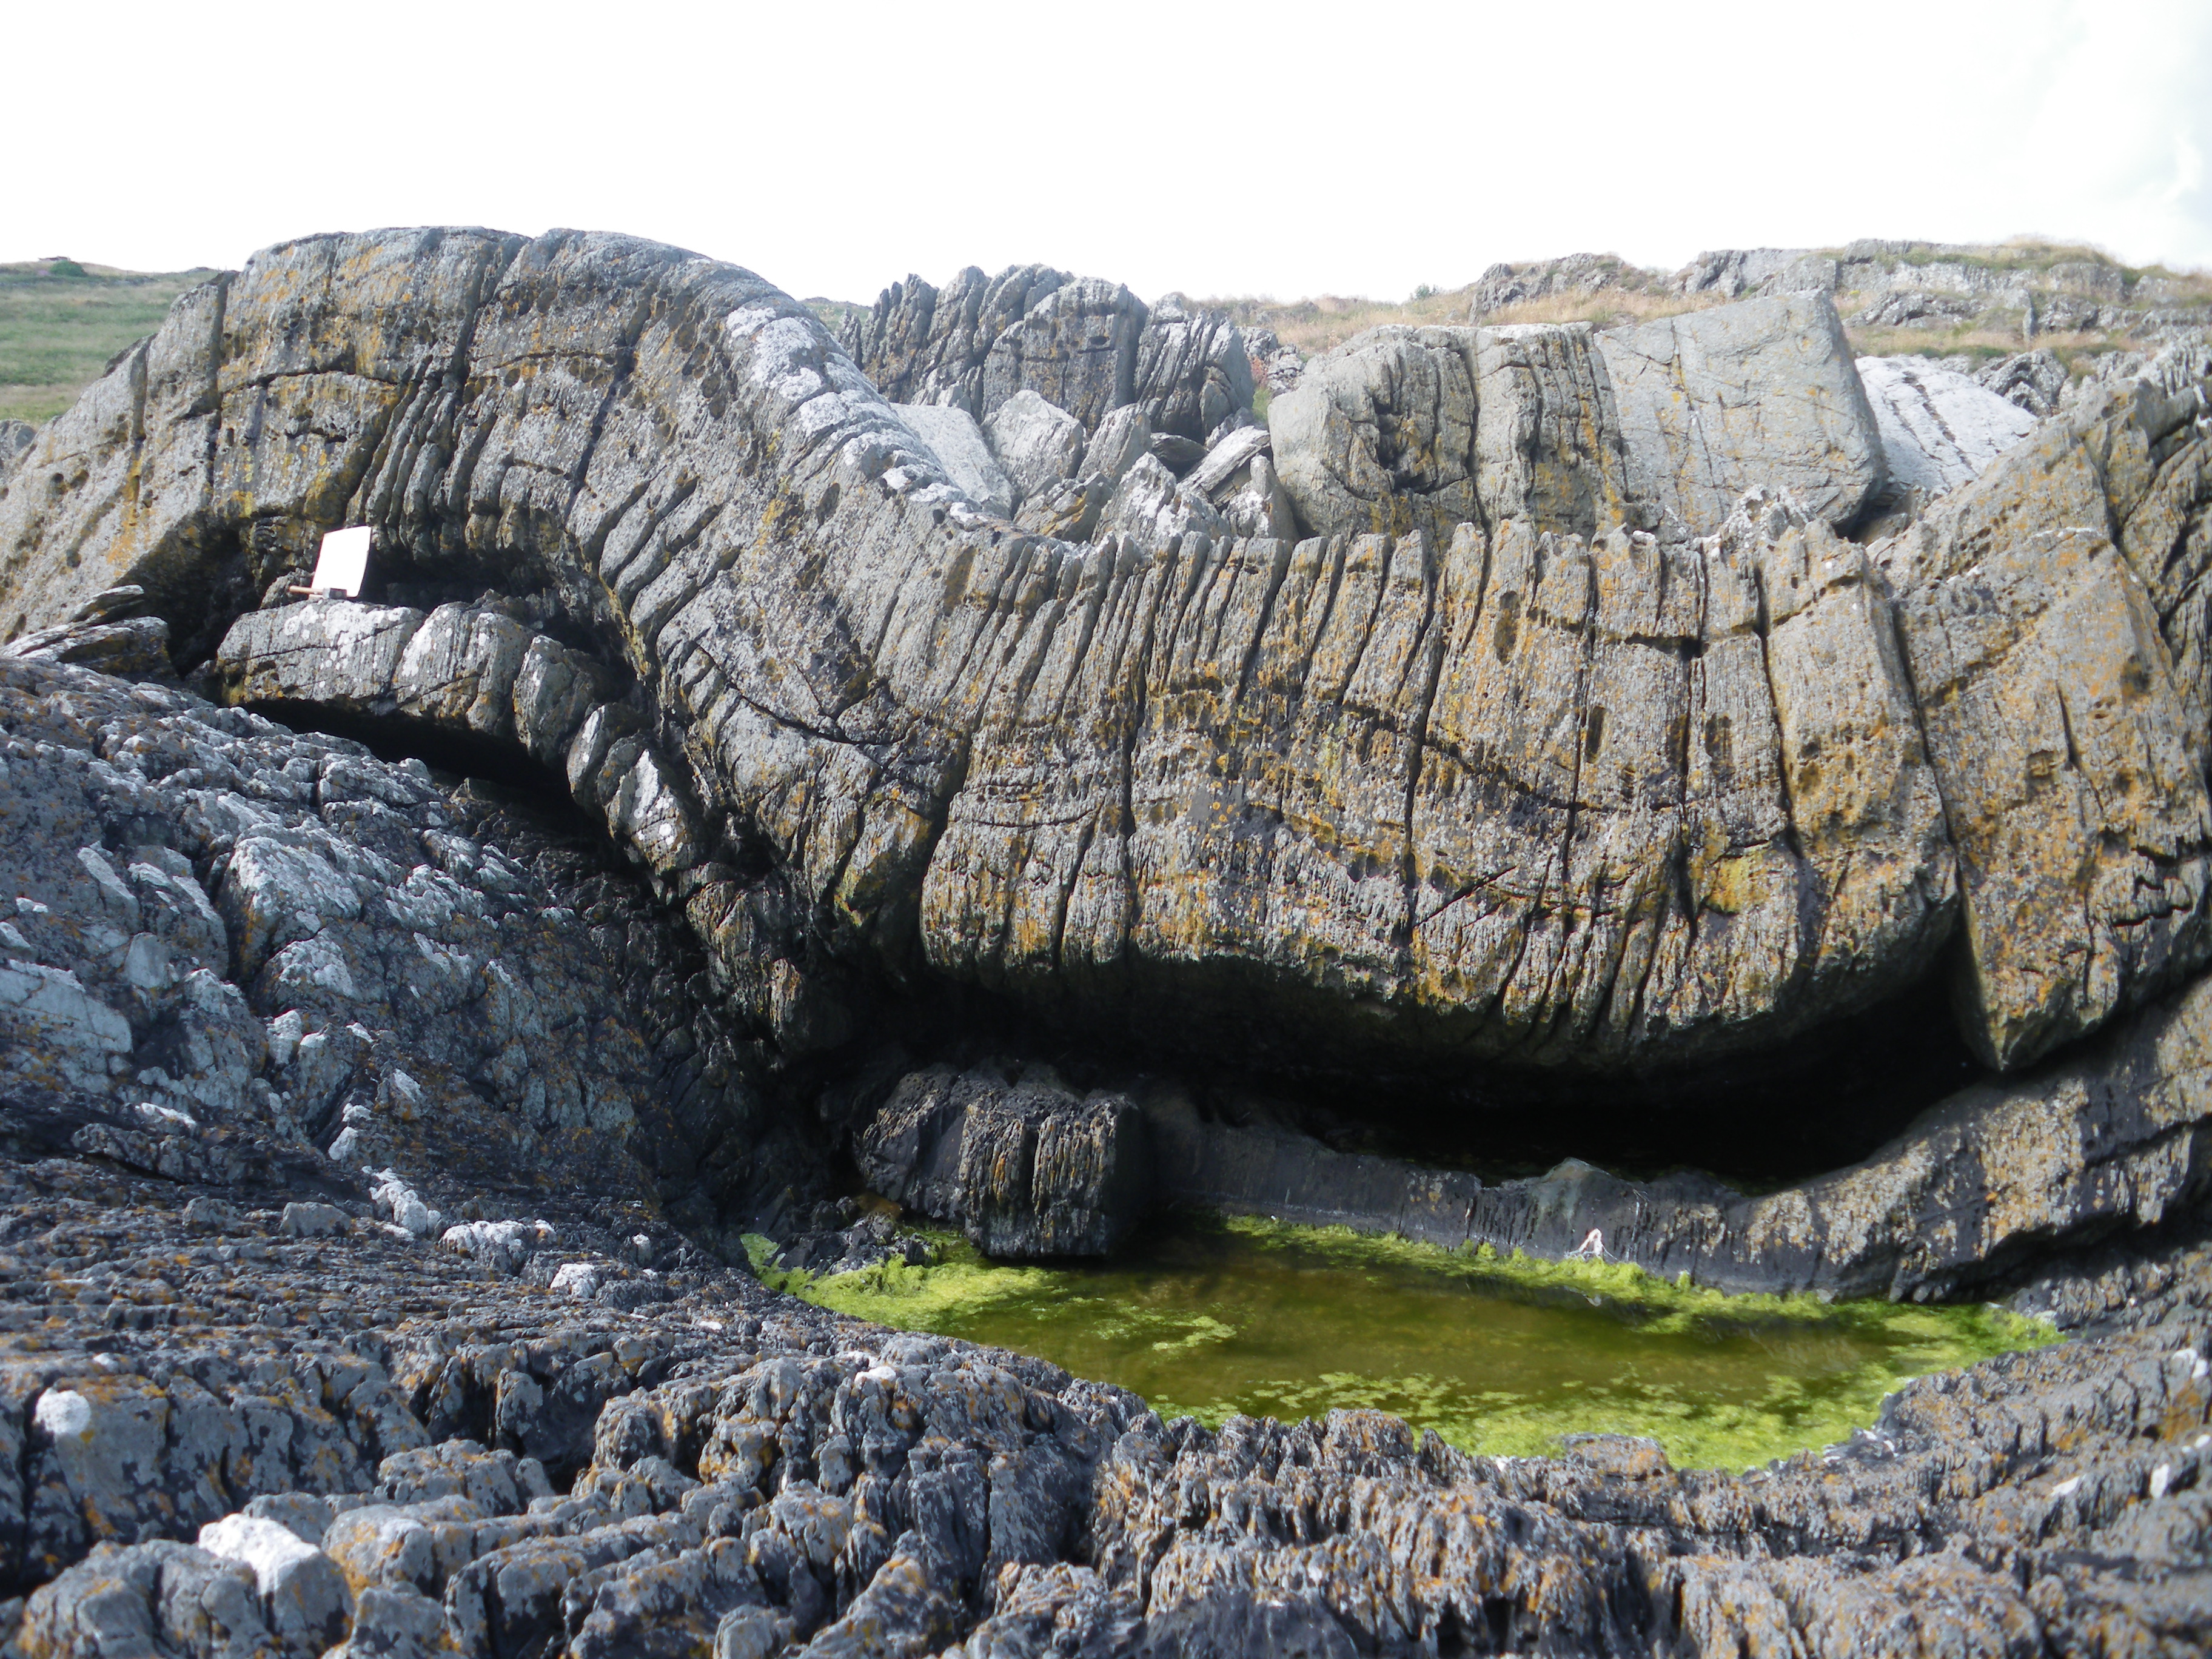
pixel 1523 987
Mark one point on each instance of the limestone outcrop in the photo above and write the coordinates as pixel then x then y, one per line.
pixel 1759 393
pixel 2118 1138
pixel 1072 340
pixel 1543 791
pixel 225 1437
pixel 2048 622
pixel 1660 426
pixel 233 951
pixel 383 1141
pixel 1192 374
pixel 963 454
pixel 1938 429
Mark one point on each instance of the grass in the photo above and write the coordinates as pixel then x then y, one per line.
pixel 1500 1354
pixel 58 330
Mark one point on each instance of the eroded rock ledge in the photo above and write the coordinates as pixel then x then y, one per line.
pixel 225 1435
pixel 1546 793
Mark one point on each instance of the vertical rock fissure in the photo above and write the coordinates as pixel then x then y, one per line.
pixel 1434 619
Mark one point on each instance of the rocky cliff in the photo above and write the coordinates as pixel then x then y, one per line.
pixel 1513 781
pixel 753 738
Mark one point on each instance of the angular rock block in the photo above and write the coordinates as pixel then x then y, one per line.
pixel 1024 1169
pixel 1712 403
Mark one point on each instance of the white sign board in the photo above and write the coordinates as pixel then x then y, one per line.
pixel 344 562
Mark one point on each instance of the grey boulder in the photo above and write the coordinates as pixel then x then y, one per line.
pixel 1759 393
pixel 1379 435
pixel 1037 444
pixel 1403 429
pixel 1025 1169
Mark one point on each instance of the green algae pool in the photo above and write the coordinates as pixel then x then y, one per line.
pixel 1210 1316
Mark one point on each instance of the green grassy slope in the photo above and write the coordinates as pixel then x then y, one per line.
pixel 60 323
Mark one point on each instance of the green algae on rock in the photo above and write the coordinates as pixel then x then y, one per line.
pixel 1500 1355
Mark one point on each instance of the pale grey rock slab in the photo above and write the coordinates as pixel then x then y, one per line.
pixel 1379 435
pixel 1077 347
pixel 1215 476
pixel 1036 444
pixel 1122 438
pixel 959 447
pixel 1938 429
pixel 1193 374
pixel 1151 507
pixel 1761 393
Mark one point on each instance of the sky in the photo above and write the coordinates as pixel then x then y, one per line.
pixel 1285 149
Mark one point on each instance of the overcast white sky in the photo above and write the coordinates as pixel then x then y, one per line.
pixel 1287 148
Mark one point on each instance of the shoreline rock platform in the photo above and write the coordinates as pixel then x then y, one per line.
pixel 735 794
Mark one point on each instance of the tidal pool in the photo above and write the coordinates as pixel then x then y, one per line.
pixel 1210 1316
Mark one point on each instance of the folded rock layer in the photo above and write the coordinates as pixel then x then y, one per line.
pixel 1540 790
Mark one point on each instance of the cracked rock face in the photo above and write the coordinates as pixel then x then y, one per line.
pixel 1939 430
pixel 232 948
pixel 1540 790
pixel 436 1459
pixel 1758 393
pixel 1024 1169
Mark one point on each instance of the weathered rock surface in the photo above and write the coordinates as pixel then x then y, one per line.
pixel 1076 347
pixel 2033 380
pixel 1192 373
pixel 16 438
pixel 1037 443
pixel 373 1140
pixel 1759 393
pixel 922 345
pixel 2049 617
pixel 1024 1169
pixel 1430 428
pixel 481 1465
pixel 2118 1138
pixel 1938 429
pixel 1379 435
pixel 1152 509
pixel 233 951
pixel 1579 274
pixel 1335 795
pixel 965 454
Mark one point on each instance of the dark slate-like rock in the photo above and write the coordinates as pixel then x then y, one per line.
pixel 1025 1169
